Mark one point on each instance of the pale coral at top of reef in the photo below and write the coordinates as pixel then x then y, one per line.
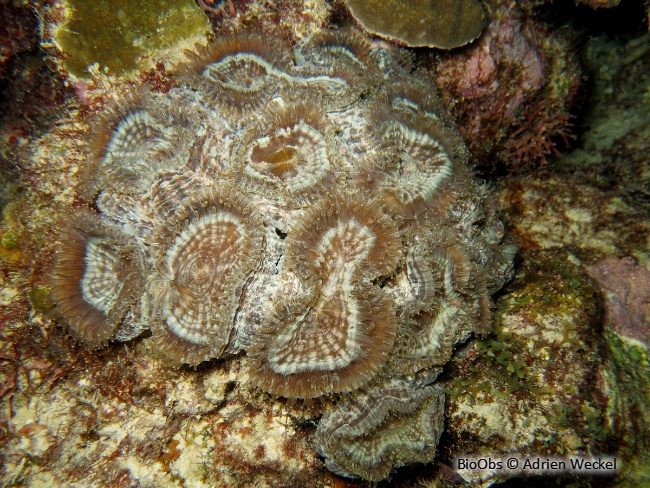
pixel 600 3
pixel 442 24
pixel 318 214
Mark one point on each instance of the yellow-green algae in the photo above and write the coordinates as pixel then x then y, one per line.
pixel 543 288
pixel 9 240
pixel 124 35
pixel 9 237
pixel 529 388
pixel 40 299
pixel 628 382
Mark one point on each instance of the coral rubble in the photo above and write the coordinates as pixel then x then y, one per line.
pixel 600 3
pixel 293 204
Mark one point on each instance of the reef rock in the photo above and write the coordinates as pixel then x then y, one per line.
pixel 567 372
pixel 532 389
pixel 311 206
pixel 626 286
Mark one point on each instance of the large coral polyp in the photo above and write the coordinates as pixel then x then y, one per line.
pixel 207 251
pixel 310 206
pixel 338 336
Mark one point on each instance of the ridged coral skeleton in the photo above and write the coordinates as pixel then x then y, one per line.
pixel 318 215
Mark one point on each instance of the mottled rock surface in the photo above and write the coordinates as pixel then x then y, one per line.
pixel 626 286
pixel 559 375
pixel 532 389
pixel 567 371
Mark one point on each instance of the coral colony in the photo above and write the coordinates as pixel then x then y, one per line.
pixel 312 207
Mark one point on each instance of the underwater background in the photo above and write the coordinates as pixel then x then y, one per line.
pixel 507 309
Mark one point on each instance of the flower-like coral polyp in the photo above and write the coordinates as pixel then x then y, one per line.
pixel 240 72
pixel 415 159
pixel 286 155
pixel 97 275
pixel 326 47
pixel 389 426
pixel 339 336
pixel 128 139
pixel 210 247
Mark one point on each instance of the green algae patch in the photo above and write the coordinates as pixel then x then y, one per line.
pixel 9 240
pixel 628 382
pixel 40 299
pixel 121 36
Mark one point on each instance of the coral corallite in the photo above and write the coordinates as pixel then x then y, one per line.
pixel 309 205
